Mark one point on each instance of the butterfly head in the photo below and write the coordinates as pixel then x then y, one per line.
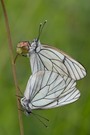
pixel 25 106
pixel 25 48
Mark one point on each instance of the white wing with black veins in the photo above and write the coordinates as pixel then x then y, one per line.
pixel 47 89
pixel 51 59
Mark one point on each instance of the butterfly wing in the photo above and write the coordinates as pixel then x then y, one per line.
pixel 50 58
pixel 47 89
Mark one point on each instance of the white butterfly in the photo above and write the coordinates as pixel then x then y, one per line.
pixel 44 57
pixel 47 89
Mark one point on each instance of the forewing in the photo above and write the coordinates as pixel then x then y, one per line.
pixel 50 58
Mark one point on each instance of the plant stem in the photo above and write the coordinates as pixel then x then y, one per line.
pixel 13 66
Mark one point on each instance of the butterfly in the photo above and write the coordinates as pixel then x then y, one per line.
pixel 48 58
pixel 47 89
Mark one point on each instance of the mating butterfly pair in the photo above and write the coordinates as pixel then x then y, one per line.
pixel 53 79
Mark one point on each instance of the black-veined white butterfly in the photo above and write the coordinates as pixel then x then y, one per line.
pixel 47 89
pixel 44 57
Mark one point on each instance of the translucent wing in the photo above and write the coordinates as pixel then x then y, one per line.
pixel 49 58
pixel 47 89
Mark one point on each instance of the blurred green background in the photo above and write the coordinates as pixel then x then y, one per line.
pixel 68 28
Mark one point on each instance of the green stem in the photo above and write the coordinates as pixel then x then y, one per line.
pixel 13 65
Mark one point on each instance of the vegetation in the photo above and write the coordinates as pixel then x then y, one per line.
pixel 67 28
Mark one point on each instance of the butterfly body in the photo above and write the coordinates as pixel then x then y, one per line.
pixel 25 105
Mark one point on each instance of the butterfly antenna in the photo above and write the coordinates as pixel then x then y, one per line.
pixel 40 116
pixel 41 26
pixel 40 120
